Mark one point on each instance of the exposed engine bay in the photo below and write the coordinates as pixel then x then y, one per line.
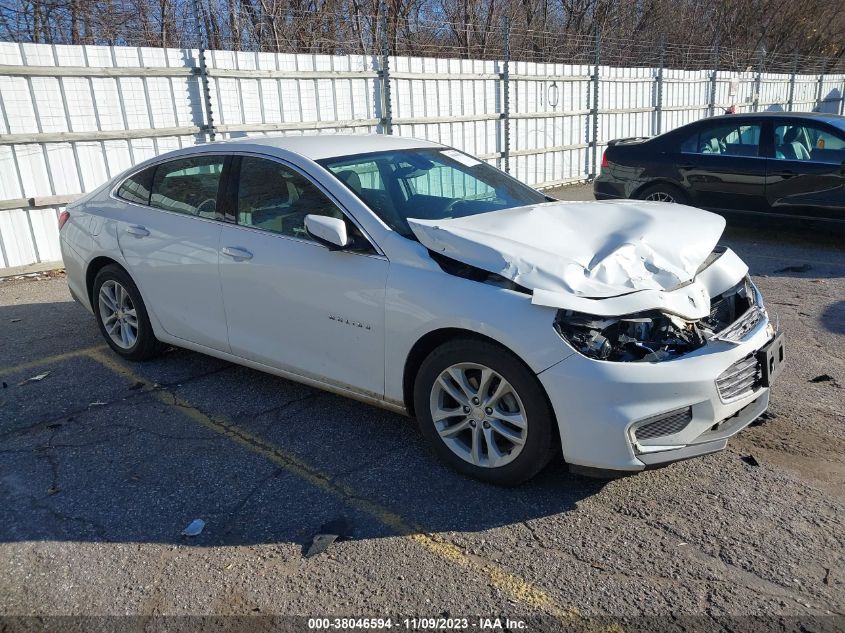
pixel 652 336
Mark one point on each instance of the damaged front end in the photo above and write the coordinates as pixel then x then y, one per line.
pixel 654 336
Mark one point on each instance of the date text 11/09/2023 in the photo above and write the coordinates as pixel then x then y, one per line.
pixel 418 624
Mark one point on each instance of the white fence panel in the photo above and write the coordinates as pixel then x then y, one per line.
pixel 72 117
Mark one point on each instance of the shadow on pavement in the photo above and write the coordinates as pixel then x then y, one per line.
pixel 89 455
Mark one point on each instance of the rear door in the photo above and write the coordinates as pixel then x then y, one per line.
pixel 806 175
pixel 169 238
pixel 722 166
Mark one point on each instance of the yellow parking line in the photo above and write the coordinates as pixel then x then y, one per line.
pixel 517 588
pixel 49 360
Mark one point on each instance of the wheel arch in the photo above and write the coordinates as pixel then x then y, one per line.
pixel 636 193
pixel 94 267
pixel 434 339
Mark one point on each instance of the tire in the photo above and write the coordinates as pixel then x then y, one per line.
pixel 115 297
pixel 661 191
pixel 452 438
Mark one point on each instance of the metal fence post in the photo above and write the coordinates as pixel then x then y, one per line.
pixel 506 93
pixel 791 102
pixel 594 110
pixel 204 88
pixel 842 100
pixel 384 73
pixel 714 76
pixel 658 108
pixel 820 85
pixel 758 80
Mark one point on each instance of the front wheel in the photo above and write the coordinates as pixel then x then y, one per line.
pixel 484 413
pixel 122 315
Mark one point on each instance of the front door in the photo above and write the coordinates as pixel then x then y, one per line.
pixel 292 303
pixel 806 177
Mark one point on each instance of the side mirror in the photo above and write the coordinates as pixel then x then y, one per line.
pixel 330 232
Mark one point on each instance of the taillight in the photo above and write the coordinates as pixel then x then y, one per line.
pixel 604 162
pixel 64 216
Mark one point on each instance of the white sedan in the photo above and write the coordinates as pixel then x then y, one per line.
pixel 412 276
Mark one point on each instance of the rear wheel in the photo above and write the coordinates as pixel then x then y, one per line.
pixel 664 192
pixel 122 315
pixel 484 413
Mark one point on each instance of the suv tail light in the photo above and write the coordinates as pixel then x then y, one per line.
pixel 604 162
pixel 64 216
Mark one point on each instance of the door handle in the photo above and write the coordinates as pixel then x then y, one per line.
pixel 238 254
pixel 137 230
pixel 786 174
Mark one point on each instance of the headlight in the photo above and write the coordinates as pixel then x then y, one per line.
pixel 645 336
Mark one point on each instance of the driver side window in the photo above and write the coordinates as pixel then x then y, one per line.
pixel 188 185
pixel 272 197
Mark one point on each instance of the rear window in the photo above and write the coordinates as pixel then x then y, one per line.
pixel 137 187
pixel 188 185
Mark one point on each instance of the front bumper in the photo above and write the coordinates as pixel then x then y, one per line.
pixel 599 405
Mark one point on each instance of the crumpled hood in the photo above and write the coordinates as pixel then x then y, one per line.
pixel 589 250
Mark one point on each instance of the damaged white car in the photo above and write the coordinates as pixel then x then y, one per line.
pixel 412 276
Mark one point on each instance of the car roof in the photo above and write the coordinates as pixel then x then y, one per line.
pixel 320 146
pixel 818 116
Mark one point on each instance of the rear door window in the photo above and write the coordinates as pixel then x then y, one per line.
pixel 188 185
pixel 724 139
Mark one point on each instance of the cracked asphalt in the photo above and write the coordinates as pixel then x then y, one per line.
pixel 103 463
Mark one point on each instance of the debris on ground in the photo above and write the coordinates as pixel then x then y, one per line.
pixel 803 268
pixel 5 385
pixel 335 530
pixel 97 404
pixel 53 490
pixel 14 320
pixel 37 378
pixel 826 576
pixel 194 528
pixel 824 378
pixel 750 460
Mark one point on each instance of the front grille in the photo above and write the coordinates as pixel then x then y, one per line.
pixel 737 330
pixel 740 379
pixel 665 424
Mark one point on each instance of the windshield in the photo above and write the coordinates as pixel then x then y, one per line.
pixel 429 184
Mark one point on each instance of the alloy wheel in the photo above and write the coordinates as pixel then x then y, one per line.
pixel 118 314
pixel 478 415
pixel 660 196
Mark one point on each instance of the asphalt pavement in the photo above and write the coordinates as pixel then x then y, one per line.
pixel 103 463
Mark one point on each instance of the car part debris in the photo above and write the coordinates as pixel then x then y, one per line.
pixel 194 528
pixel 37 378
pixel 335 530
pixel 823 378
